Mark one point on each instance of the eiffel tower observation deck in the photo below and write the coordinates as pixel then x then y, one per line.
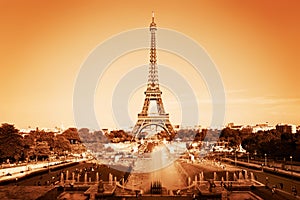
pixel 153 118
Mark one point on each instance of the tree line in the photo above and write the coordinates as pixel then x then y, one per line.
pixel 276 144
pixel 36 145
pixel 39 144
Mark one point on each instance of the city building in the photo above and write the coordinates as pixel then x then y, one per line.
pixel 234 127
pixel 262 127
pixel 286 128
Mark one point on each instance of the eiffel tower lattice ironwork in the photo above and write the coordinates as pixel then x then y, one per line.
pixel 153 115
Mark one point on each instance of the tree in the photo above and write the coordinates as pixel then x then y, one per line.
pixel 61 144
pixel 71 134
pixel 232 136
pixel 41 150
pixel 47 137
pixel 7 130
pixel 12 144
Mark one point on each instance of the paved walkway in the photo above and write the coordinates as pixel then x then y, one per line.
pixel 265 168
pixel 21 171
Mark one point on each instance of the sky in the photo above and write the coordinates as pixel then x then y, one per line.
pixel 255 46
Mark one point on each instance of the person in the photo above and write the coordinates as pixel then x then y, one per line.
pixel 194 196
pixel 213 185
pixel 273 189
pixel 267 181
pixel 294 190
pixel 281 185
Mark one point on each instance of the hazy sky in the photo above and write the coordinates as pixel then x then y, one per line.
pixel 254 44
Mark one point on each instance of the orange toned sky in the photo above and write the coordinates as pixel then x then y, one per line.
pixel 255 45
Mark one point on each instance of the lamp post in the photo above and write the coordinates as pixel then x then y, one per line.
pixel 235 158
pixel 48 164
pixel 248 157
pixel 291 157
pixel 265 159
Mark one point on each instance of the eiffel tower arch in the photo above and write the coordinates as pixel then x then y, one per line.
pixel 153 117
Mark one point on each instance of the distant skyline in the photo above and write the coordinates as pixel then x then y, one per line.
pixel 254 44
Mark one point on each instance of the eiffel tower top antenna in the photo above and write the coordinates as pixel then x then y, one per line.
pixel 152 22
pixel 152 16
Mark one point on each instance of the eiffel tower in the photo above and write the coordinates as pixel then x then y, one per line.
pixel 153 116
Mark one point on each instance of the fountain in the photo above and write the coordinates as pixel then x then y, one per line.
pixel 61 177
pixel 215 176
pixel 196 181
pixel 110 178
pixel 73 177
pixel 241 176
pixel 234 176
pixel 123 185
pixel 97 177
pixel 200 178
pixel 222 181
pixel 246 175
pixel 252 176
pixel 227 176
pixel 85 178
pixel 67 175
